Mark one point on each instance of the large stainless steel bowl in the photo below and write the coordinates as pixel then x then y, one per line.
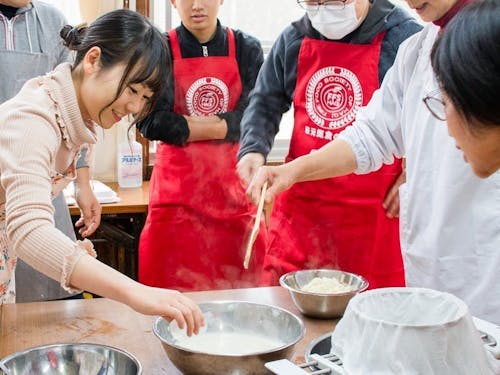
pixel 72 359
pixel 320 305
pixel 229 317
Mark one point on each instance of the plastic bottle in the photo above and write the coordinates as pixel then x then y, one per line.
pixel 129 161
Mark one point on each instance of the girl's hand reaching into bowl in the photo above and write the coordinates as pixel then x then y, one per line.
pixel 170 305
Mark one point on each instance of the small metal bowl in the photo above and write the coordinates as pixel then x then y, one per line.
pixel 320 305
pixel 233 317
pixel 72 359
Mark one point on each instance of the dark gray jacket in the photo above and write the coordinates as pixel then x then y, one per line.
pixel 275 86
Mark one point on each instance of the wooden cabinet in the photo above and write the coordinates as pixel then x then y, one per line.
pixel 117 239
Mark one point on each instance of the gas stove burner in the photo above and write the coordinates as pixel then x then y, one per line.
pixel 490 334
pixel 487 339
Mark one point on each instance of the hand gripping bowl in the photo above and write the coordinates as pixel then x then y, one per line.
pixel 321 305
pixel 238 339
pixel 71 359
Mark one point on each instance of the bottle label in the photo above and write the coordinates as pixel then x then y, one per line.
pixel 131 159
pixel 130 170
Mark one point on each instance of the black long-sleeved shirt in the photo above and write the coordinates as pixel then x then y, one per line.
pixel 8 11
pixel 275 86
pixel 165 125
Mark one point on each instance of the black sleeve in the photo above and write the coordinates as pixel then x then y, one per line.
pixel 162 124
pixel 250 57
pixel 272 96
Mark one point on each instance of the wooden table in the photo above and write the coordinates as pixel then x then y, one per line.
pixel 132 200
pixel 108 322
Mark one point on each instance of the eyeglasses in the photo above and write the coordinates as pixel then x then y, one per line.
pixel 435 104
pixel 314 5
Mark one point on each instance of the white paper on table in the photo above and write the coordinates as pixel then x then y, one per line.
pixel 103 193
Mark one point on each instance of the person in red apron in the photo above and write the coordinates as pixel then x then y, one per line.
pixel 335 58
pixel 199 217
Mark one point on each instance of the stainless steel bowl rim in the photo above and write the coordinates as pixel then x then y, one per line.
pixel 364 284
pixel 222 302
pixel 80 344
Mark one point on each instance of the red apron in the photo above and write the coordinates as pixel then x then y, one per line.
pixel 339 222
pixel 199 217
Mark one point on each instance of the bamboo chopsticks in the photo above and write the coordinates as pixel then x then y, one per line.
pixel 256 226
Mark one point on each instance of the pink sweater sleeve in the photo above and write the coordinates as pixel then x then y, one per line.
pixel 29 142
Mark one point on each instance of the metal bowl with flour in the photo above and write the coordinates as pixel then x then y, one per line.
pixel 324 305
pixel 238 339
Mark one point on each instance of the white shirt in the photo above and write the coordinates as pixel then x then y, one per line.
pixel 450 219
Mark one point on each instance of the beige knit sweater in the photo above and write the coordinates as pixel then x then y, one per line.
pixel 41 131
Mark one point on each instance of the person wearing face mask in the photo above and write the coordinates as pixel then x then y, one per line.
pixel 450 218
pixel 30 46
pixel 328 64
pixel 199 217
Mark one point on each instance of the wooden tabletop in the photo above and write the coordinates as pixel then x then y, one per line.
pixel 104 321
pixel 132 200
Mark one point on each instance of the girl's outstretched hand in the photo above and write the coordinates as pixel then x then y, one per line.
pixel 169 304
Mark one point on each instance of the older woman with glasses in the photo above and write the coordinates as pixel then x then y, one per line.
pixel 328 64
pixel 469 101
pixel 449 218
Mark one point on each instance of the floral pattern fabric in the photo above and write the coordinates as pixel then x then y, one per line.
pixel 8 262
pixel 8 257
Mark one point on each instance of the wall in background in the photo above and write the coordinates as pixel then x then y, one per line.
pixel 104 155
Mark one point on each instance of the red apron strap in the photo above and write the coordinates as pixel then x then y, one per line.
pixel 231 43
pixel 378 38
pixel 174 45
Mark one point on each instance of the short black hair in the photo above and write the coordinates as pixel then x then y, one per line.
pixel 466 61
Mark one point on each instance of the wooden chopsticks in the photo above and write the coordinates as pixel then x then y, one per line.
pixel 256 226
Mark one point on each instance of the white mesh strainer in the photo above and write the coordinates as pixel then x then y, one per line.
pixel 409 331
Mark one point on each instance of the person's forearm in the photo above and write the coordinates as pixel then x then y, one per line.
pixel 96 277
pixel 93 276
pixel 333 159
pixel 82 176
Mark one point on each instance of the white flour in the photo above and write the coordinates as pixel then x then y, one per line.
pixel 326 285
pixel 228 343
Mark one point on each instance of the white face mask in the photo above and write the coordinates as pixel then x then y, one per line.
pixel 334 23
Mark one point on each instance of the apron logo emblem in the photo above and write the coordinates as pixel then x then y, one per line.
pixel 207 96
pixel 333 97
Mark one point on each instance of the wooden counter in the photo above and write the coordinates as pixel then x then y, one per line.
pixel 107 322
pixel 132 200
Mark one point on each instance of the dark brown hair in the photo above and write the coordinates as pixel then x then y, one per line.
pixel 125 37
pixel 466 61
